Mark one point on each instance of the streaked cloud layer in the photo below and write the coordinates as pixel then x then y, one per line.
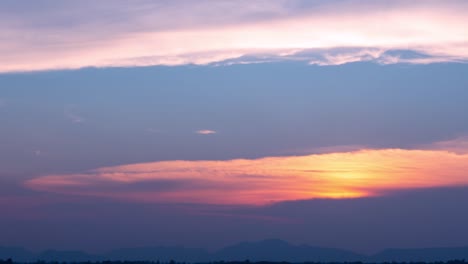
pixel 367 172
pixel 60 35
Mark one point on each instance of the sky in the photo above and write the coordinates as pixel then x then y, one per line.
pixel 336 123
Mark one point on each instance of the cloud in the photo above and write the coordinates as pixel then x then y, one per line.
pixel 265 30
pixel 458 145
pixel 70 113
pixel 361 173
pixel 205 132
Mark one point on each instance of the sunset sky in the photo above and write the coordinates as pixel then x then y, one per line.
pixel 335 123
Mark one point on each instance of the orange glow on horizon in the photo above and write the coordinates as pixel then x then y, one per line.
pixel 363 173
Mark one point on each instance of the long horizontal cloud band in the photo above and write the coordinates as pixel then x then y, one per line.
pixel 435 30
pixel 362 173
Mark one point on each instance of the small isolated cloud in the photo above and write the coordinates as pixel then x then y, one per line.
pixel 205 132
pixel 70 114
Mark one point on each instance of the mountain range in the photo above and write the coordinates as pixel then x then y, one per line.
pixel 265 250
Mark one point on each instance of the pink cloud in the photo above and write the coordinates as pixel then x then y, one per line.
pixel 149 37
pixel 205 132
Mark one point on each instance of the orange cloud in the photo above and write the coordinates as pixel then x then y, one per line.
pixel 368 172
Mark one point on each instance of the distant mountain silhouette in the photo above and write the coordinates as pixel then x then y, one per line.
pixel 68 256
pixel 278 250
pixel 16 253
pixel 23 255
pixel 159 253
pixel 421 254
pixel 265 250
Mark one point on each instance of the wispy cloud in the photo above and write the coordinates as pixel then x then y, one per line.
pixel 361 173
pixel 266 30
pixel 205 132
pixel 71 114
pixel 457 145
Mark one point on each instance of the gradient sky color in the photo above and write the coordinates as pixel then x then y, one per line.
pixel 236 121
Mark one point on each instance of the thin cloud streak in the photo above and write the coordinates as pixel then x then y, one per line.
pixel 433 28
pixel 458 145
pixel 362 173
pixel 70 113
pixel 205 132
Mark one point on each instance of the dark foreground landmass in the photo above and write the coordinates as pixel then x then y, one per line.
pixel 271 250
pixel 10 261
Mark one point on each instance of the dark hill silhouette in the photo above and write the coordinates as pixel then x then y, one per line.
pixel 421 254
pixel 159 253
pixel 272 250
pixel 278 250
pixel 16 253
pixel 67 256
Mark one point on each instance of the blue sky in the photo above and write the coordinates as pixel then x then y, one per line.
pixel 126 115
